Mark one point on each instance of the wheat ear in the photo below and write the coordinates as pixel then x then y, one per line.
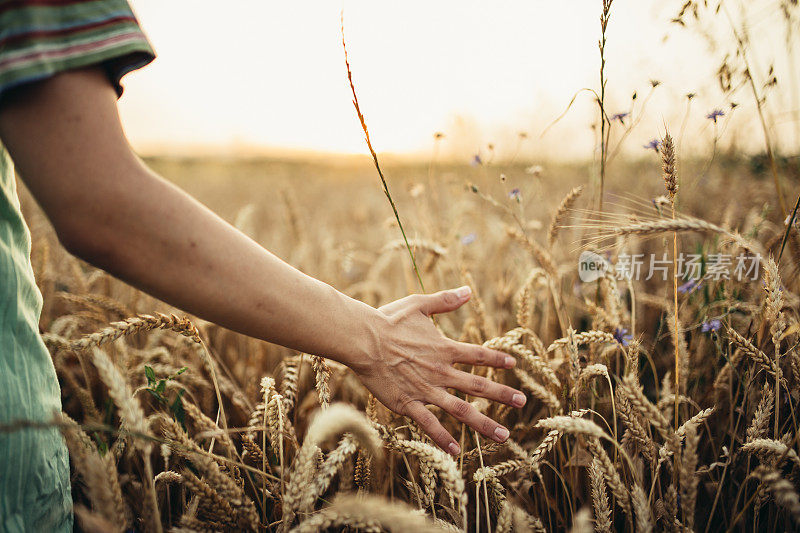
pixel 782 490
pixel 445 467
pixel 132 325
pixel 586 337
pixel 561 214
pixel 372 512
pixel 689 478
pixel 99 475
pixel 602 510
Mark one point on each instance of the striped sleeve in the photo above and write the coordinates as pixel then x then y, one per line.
pixel 40 38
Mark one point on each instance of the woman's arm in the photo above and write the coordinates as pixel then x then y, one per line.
pixel 110 210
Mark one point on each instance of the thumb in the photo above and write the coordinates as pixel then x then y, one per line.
pixel 445 301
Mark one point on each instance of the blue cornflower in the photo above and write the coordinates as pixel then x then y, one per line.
pixel 476 160
pixel 715 114
pixel 689 287
pixel 654 144
pixel 621 334
pixel 469 238
pixel 712 325
pixel 620 116
pixel 515 194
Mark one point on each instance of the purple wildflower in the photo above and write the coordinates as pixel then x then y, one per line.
pixel 469 238
pixel 712 325
pixel 654 144
pixel 621 117
pixel 689 287
pixel 622 337
pixel 715 114
pixel 515 194
pixel 476 160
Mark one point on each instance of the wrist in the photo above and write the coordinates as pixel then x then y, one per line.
pixel 364 329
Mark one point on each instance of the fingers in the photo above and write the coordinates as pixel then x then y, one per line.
pixel 444 301
pixel 472 354
pixel 485 388
pixel 431 425
pixel 466 412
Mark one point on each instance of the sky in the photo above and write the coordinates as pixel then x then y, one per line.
pixel 249 75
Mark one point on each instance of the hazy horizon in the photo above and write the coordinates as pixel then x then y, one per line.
pixel 270 78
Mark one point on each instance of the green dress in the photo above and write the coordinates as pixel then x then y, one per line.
pixel 38 40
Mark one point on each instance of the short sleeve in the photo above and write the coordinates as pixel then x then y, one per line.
pixel 40 38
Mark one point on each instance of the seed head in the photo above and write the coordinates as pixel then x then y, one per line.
pixel 668 165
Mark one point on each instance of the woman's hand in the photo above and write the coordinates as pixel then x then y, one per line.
pixel 413 366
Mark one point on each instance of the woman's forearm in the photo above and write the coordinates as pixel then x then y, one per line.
pixel 162 241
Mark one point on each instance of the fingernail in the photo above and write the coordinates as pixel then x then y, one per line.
pixel 510 362
pixel 518 400
pixel 501 433
pixel 463 292
pixel 454 449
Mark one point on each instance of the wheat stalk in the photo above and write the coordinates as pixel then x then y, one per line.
pixel 561 213
pixel 610 474
pixel 649 412
pixel 770 447
pixel 585 337
pixel 137 324
pixel 289 383
pixel 759 425
pixel 367 512
pixel 641 509
pixel 688 475
pixel 445 467
pixel 782 490
pixel 696 421
pixel 602 511
pixel 322 375
pixel 244 513
pixel 572 425
pixel 99 474
pixel 540 392
pixel 755 354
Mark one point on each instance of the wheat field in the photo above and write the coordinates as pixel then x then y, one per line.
pixel 176 424
pixel 655 403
